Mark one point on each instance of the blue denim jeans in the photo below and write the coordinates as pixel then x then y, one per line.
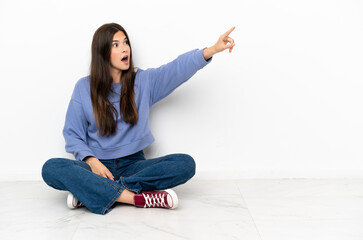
pixel 132 172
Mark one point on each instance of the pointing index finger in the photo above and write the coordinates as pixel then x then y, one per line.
pixel 229 31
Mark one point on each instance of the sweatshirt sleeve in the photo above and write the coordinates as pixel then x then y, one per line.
pixel 75 129
pixel 168 77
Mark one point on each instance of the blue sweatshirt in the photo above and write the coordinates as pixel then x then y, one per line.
pixel 151 85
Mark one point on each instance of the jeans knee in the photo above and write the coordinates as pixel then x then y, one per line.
pixel 50 168
pixel 188 165
pixel 47 169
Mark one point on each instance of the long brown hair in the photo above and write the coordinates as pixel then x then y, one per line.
pixel 101 83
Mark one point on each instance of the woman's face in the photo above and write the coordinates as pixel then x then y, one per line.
pixel 120 52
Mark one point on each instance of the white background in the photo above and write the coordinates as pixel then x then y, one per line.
pixel 286 103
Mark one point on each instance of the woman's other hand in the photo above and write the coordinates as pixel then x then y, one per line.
pixel 224 42
pixel 98 168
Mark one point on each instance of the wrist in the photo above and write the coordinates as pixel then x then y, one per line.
pixel 208 52
pixel 89 159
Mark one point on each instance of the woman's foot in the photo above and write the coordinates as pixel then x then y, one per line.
pixel 163 199
pixel 147 199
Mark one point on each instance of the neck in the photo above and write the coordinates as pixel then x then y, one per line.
pixel 116 75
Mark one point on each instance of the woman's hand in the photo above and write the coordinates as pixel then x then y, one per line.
pixel 224 42
pixel 98 168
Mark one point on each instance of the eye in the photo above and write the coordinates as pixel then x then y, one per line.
pixel 115 45
pixel 126 42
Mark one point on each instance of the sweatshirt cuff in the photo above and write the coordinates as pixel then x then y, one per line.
pixel 201 62
pixel 83 154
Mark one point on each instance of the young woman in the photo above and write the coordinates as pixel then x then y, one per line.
pixel 107 128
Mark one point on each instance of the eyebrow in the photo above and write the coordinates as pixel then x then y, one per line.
pixel 118 40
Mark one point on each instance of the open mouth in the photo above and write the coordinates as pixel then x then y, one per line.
pixel 125 59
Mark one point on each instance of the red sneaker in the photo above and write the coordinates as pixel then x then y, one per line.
pixel 163 199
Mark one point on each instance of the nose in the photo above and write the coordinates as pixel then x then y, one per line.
pixel 124 48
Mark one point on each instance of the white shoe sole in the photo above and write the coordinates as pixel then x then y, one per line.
pixel 172 199
pixel 71 201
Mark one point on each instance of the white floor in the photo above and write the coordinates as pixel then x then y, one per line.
pixel 209 209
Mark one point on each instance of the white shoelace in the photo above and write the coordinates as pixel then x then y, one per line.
pixel 154 200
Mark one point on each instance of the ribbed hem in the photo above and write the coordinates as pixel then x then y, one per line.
pixel 123 150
